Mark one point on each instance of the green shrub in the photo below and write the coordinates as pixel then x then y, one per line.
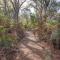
pixel 52 22
pixel 4 21
pixel 6 39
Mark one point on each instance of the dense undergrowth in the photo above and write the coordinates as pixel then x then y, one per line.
pixel 9 32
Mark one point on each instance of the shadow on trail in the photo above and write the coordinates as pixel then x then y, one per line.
pixel 31 50
pixel 27 49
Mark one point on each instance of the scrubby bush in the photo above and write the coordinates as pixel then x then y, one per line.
pixel 4 21
pixel 10 31
pixel 6 39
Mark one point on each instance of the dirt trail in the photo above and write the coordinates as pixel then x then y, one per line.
pixel 56 55
pixel 31 49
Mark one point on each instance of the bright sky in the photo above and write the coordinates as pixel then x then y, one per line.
pixel 26 3
pixel 58 0
pixel 32 9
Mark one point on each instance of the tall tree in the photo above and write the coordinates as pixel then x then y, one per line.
pixel 44 8
pixel 5 7
pixel 16 7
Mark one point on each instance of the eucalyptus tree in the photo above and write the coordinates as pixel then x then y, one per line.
pixel 45 8
pixel 5 7
pixel 17 4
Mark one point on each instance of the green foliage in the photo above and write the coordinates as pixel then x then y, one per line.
pixel 52 22
pixel 6 39
pixel 33 19
pixel 4 21
pixel 59 32
pixel 31 22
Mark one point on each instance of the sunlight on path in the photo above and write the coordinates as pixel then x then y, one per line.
pixel 31 49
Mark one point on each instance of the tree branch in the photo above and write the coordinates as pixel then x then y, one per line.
pixel 12 4
pixel 22 3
